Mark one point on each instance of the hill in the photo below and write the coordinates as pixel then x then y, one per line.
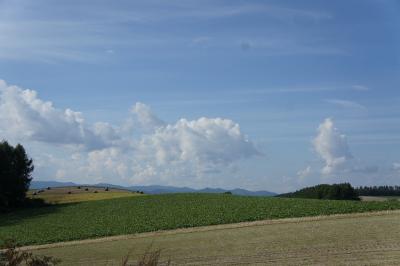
pixel 154 189
pixel 69 194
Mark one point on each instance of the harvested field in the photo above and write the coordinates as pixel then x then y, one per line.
pixel 353 239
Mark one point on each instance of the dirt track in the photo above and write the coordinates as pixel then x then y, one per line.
pixel 356 239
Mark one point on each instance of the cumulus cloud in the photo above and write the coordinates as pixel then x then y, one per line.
pixel 205 140
pixel 29 118
pixel 145 117
pixel 142 149
pixel 188 149
pixel 332 147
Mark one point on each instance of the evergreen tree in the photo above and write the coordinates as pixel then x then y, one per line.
pixel 15 175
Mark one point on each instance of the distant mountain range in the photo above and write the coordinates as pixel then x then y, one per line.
pixel 155 189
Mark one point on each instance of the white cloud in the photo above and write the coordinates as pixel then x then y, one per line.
pixel 173 153
pixel 178 152
pixel 145 149
pixel 302 174
pixel 145 117
pixel 332 147
pixel 29 118
pixel 347 104
pixel 203 141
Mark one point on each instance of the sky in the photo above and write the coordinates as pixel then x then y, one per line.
pixel 262 95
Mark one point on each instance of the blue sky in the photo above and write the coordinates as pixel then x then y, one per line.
pixel 294 75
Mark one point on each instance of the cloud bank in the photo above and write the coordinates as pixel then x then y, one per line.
pixel 143 149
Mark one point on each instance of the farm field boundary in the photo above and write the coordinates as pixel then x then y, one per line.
pixel 212 228
pixel 354 239
pixel 134 215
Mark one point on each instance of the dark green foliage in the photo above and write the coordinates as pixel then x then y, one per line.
pixel 228 193
pixel 162 212
pixel 342 191
pixel 379 191
pixel 15 175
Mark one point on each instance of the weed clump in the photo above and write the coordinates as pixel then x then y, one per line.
pixel 11 256
pixel 149 258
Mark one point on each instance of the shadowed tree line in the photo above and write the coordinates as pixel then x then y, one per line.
pixel 379 191
pixel 343 191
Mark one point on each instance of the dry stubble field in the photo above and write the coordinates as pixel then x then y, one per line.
pixel 351 239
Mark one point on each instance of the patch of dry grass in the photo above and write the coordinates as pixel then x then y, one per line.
pixel 74 194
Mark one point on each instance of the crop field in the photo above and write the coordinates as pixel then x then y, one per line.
pixel 351 239
pixel 93 219
pixel 60 195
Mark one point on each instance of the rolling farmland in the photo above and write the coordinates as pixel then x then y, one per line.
pixel 128 215
pixel 71 194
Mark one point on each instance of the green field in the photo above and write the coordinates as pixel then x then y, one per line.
pixel 77 194
pixel 129 215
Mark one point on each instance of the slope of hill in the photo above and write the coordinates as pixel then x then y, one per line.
pixel 69 194
pixel 155 189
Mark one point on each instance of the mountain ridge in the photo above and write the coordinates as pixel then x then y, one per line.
pixel 155 189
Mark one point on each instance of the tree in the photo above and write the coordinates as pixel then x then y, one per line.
pixel 15 175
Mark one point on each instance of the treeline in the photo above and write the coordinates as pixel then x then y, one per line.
pixel 342 191
pixel 379 191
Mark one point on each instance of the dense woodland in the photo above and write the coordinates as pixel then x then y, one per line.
pixel 379 191
pixel 342 191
